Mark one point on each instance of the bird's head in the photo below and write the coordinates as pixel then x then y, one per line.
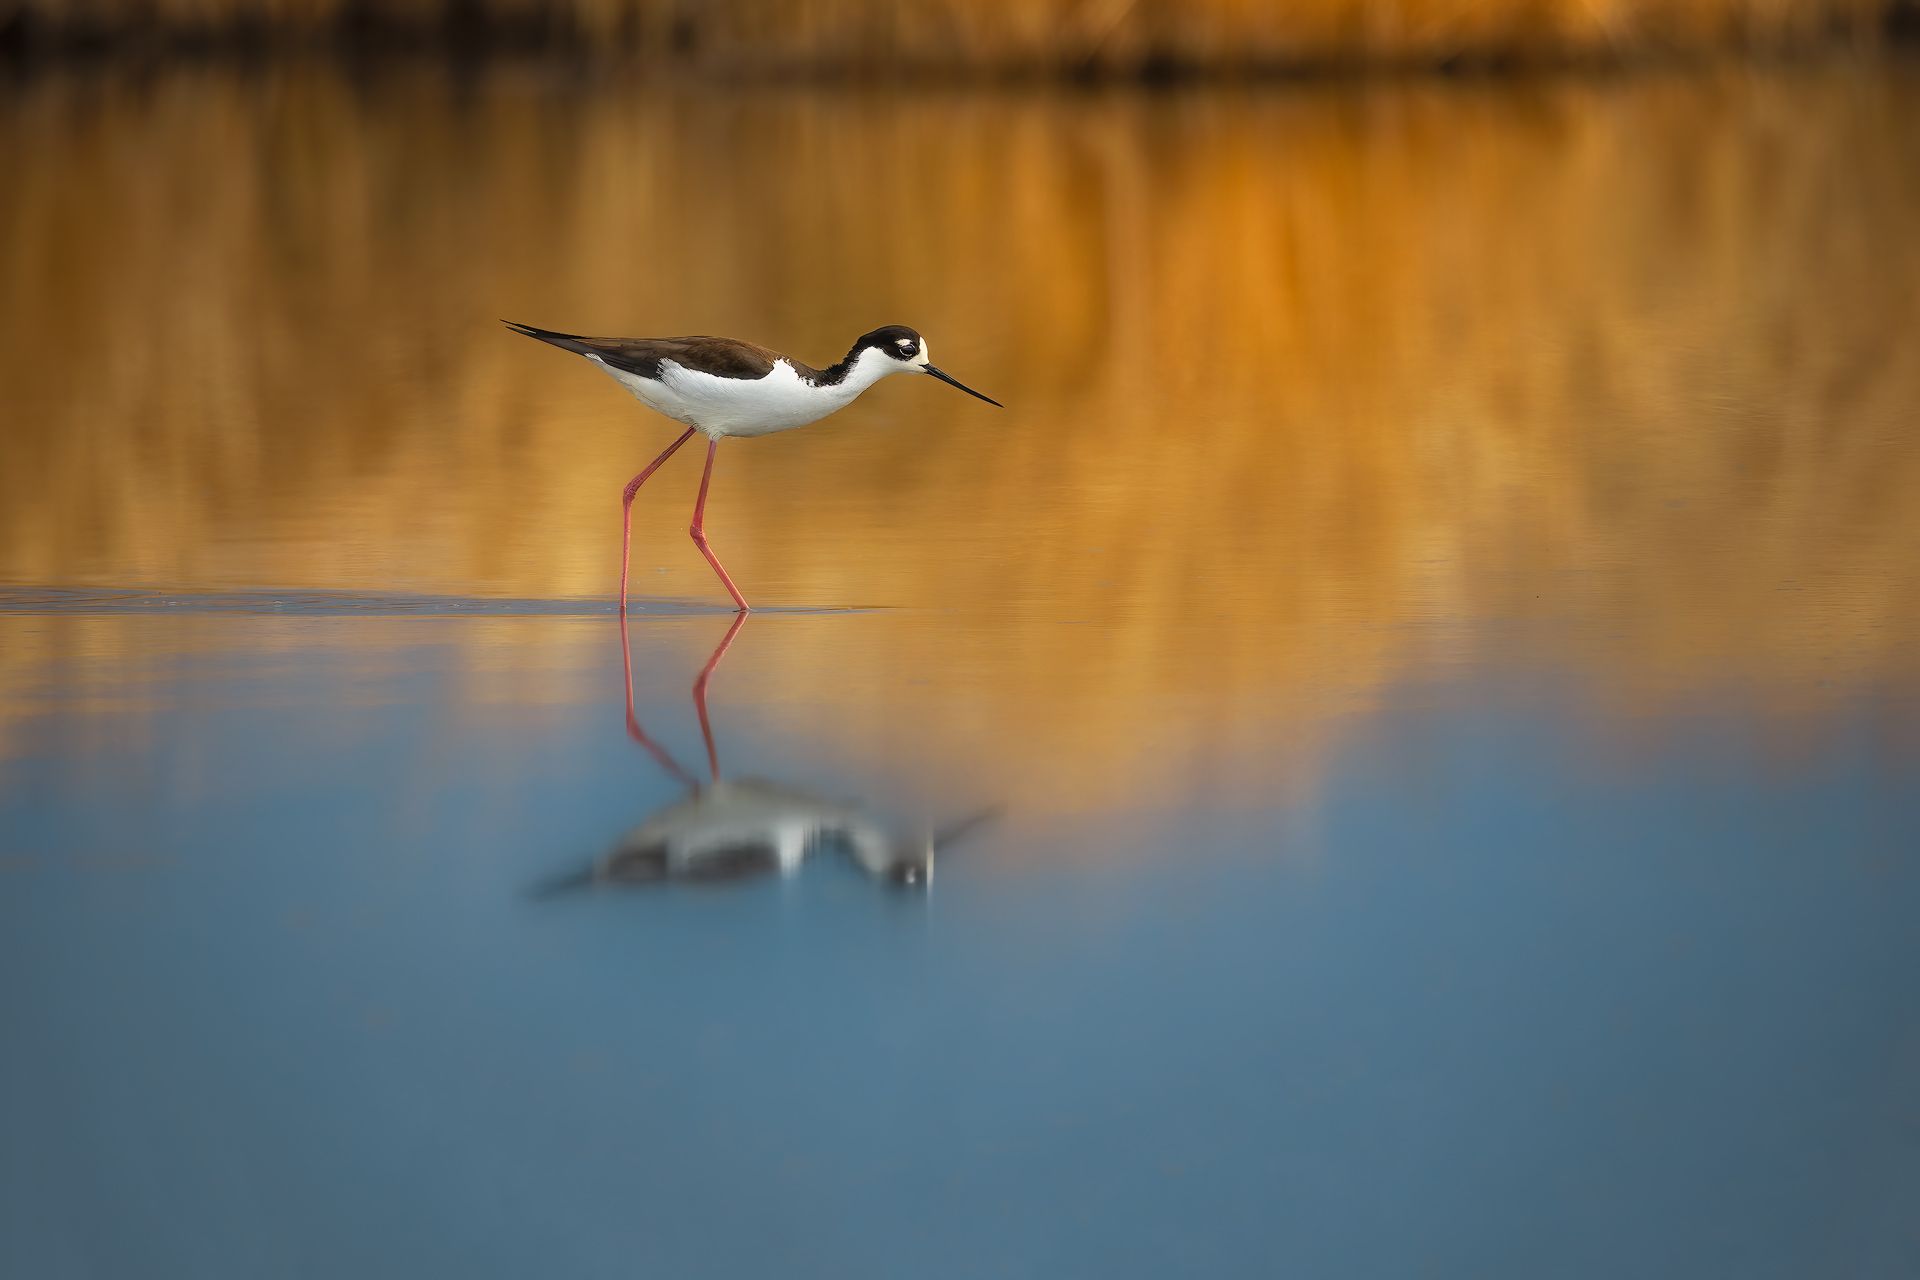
pixel 906 352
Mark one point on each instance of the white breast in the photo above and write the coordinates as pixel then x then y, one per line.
pixel 735 406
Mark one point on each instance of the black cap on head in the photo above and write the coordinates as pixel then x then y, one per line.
pixel 901 343
pixel 896 340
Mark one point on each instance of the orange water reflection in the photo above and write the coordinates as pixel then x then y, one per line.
pixel 1311 390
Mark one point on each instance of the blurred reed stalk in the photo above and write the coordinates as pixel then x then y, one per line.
pixel 1007 37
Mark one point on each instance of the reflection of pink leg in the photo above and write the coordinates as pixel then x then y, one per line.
pixel 700 689
pixel 699 533
pixel 639 735
pixel 626 509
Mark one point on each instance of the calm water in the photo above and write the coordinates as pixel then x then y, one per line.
pixel 1422 682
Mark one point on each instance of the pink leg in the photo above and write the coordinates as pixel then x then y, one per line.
pixel 626 508
pixel 700 690
pixel 699 533
pixel 660 754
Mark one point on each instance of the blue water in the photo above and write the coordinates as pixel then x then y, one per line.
pixel 279 1001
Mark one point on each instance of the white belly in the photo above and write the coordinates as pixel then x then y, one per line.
pixel 734 406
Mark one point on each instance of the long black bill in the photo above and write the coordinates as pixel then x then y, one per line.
pixel 566 882
pixel 955 382
pixel 958 830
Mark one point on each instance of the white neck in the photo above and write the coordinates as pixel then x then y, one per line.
pixel 872 366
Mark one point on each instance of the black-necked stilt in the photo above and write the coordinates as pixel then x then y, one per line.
pixel 724 387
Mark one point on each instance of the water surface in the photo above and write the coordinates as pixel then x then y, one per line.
pixel 1432 637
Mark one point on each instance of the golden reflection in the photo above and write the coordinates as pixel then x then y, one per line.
pixel 1310 390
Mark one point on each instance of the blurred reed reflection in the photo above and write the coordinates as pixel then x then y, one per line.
pixel 1312 391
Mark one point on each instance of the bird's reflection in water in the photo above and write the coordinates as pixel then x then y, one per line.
pixel 731 829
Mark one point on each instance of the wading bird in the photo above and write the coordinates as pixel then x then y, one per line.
pixel 723 387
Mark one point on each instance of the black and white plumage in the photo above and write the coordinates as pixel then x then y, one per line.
pixel 723 387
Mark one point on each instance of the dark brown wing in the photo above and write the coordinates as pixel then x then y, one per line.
pixel 721 357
